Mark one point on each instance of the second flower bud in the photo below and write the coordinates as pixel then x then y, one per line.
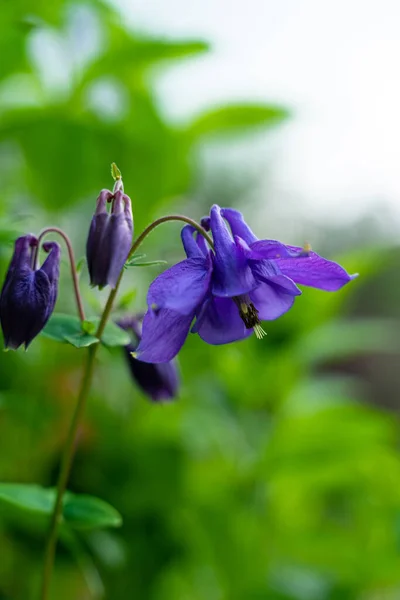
pixel 109 239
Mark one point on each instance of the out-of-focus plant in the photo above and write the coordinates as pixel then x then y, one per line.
pixel 267 480
pixel 228 283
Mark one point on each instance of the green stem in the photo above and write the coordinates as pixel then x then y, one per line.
pixel 65 470
pixel 84 391
pixel 162 220
pixel 72 263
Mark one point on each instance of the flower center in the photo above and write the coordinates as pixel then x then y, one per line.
pixel 249 315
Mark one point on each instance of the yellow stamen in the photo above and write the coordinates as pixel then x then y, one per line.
pixel 259 331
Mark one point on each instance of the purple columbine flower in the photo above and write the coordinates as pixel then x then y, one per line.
pixel 109 239
pixel 29 294
pixel 160 382
pixel 229 290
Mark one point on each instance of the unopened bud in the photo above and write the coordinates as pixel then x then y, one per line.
pixel 29 295
pixel 158 381
pixel 109 239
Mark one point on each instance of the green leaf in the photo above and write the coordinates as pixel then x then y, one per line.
pixel 80 264
pixel 112 335
pixel 68 328
pixel 126 50
pixel 89 327
pixel 126 299
pixel 88 512
pixel 34 503
pixel 134 258
pixel 31 498
pixel 149 263
pixel 230 119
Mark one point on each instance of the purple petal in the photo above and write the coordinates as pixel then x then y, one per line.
pixel 203 245
pixel 271 301
pixel 189 243
pixel 238 225
pixel 116 245
pixel 163 335
pixel 51 267
pixel 220 322
pixel 267 271
pixel 315 271
pixel 232 274
pixel 182 287
pixel 274 249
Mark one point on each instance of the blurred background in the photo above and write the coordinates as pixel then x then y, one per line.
pixel 276 473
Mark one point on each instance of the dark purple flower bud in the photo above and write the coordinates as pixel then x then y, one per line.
pixel 109 239
pixel 29 294
pixel 158 381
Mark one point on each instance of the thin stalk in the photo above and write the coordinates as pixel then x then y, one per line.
pixel 65 470
pixel 72 263
pixel 84 391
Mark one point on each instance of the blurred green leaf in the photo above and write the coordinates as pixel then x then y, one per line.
pixel 126 300
pixel 79 512
pixel 231 119
pixel 68 328
pixel 32 498
pixel 87 512
pixel 113 335
pixel 80 264
pixel 130 55
pixel 150 263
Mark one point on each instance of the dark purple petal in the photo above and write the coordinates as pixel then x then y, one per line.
pixel 220 322
pixel 232 274
pixel 96 262
pixel 238 225
pixel 163 335
pixel 51 267
pixel 315 271
pixel 271 301
pixel 206 223
pixel 183 286
pixel 158 381
pixel 267 271
pixel 22 256
pixel 26 307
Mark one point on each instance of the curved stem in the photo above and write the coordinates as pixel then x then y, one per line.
pixel 72 263
pixel 84 391
pixel 162 220
pixel 65 470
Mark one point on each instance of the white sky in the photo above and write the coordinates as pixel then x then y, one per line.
pixel 336 65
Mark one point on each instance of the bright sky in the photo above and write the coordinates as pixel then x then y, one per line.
pixel 335 64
